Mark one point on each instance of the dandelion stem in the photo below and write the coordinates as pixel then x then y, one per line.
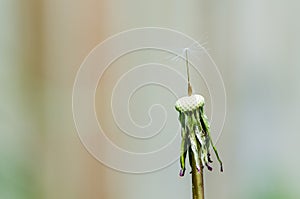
pixel 197 179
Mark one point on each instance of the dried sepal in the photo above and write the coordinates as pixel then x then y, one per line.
pixel 183 149
pixel 204 120
pixel 195 132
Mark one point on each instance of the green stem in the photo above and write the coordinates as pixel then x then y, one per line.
pixel 197 180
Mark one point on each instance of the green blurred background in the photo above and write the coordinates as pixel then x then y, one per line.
pixel 42 44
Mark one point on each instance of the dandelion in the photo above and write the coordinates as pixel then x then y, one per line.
pixel 195 132
pixel 196 139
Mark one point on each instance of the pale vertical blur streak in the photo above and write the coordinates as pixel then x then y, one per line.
pixel 42 44
pixel 71 30
pixel 256 45
pixel 266 68
pixel 21 105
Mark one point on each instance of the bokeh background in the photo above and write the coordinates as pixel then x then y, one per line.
pixel 42 44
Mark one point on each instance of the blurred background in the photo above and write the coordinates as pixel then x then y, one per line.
pixel 42 44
